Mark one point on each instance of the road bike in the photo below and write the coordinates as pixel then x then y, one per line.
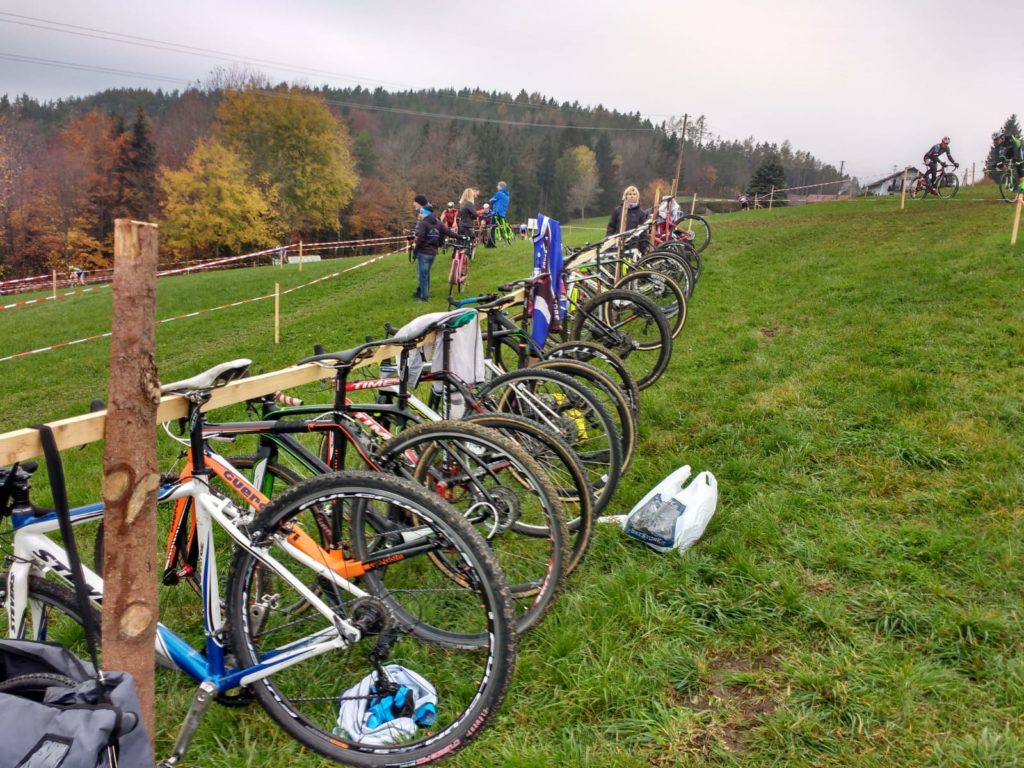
pixel 411 593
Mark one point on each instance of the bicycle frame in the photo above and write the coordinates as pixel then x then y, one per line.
pixel 36 553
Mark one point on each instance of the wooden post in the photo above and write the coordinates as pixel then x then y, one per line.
pixel 903 190
pixel 277 313
pixel 755 201
pixel 654 214
pixel 54 283
pixel 679 159
pixel 622 228
pixel 972 174
pixel 771 197
pixel 130 475
pixel 1016 218
pixel 300 255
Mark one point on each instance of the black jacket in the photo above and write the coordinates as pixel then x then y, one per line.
pixel 635 216
pixel 423 227
pixel 467 218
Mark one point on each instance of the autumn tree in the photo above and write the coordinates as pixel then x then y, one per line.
pixel 135 172
pixel 210 204
pixel 586 188
pixel 290 141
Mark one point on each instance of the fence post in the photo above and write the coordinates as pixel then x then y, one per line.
pixel 277 313
pixel 300 255
pixel 771 197
pixel 130 477
pixel 654 213
pixel 1016 218
pixel 972 173
pixel 54 283
pixel 903 190
pixel 693 207
pixel 755 201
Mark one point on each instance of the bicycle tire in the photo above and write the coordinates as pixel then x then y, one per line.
pixel 611 397
pixel 34 685
pixel 1008 186
pixel 562 467
pixel 58 613
pixel 949 185
pixel 917 188
pixel 663 291
pixel 508 354
pixel 600 357
pixel 492 483
pixel 700 228
pixel 687 253
pixel 670 263
pixel 630 325
pixel 562 405
pixel 304 699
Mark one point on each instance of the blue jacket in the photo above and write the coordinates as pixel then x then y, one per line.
pixel 499 203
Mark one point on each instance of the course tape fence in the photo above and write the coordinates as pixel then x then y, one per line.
pixel 29 302
pixel 41 282
pixel 198 312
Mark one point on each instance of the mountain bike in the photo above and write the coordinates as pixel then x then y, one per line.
pixel 502 230
pixel 412 583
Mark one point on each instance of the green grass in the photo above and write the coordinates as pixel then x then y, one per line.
pixel 851 374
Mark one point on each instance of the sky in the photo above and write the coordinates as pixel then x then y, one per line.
pixel 868 85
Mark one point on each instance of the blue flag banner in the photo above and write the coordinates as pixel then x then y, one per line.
pixel 547 257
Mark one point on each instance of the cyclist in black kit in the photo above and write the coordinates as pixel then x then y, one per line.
pixel 931 157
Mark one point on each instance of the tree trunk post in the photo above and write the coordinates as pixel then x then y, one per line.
pixel 903 190
pixel 130 477
pixel 1016 218
pixel 771 198
pixel 277 313
pixel 54 283
pixel 679 159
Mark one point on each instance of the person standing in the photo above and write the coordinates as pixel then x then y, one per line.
pixel 499 207
pixel 428 237
pixel 635 217
pixel 466 219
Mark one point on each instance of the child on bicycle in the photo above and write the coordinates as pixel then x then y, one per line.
pixel 1011 150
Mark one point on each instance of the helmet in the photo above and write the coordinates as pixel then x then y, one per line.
pixel 945 140
pixel 451 204
pixel 486 206
pixel 998 135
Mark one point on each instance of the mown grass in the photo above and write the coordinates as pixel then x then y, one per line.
pixel 852 375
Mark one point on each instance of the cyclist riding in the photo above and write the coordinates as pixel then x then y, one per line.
pixel 1011 150
pixel 931 157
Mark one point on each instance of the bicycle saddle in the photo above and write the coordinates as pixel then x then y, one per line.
pixel 215 377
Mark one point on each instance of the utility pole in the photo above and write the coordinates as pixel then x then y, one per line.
pixel 842 164
pixel 679 158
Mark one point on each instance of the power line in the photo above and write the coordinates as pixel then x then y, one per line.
pixel 51 25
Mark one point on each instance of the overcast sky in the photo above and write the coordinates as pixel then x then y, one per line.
pixel 846 81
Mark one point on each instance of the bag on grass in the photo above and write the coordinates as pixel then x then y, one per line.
pixel 671 515
pixel 372 716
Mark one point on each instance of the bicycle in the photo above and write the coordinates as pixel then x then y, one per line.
pixel 1008 179
pixel 382 597
pixel 458 272
pixel 946 184
pixel 502 230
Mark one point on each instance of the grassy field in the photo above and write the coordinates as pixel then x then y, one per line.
pixel 853 376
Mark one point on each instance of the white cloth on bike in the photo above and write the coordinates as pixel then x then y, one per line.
pixel 355 711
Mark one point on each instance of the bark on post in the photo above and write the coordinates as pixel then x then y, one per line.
pixel 130 477
pixel 1016 218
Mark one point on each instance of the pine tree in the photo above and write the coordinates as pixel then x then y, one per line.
pixel 769 174
pixel 995 154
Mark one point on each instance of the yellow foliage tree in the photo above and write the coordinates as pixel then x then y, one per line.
pixel 292 141
pixel 210 204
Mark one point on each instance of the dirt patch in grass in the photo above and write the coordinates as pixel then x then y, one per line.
pixel 746 706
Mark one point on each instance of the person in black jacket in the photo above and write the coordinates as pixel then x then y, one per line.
pixel 429 236
pixel 635 216
pixel 466 219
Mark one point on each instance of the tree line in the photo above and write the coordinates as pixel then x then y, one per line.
pixel 238 164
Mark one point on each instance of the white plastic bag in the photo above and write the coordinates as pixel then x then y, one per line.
pixel 671 515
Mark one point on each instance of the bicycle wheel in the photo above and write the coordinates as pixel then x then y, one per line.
pixel 1008 186
pixel 412 615
pixel 563 469
pixel 918 188
pixel 495 485
pixel 564 407
pixel 949 185
pixel 699 227
pixel 631 326
pixel 670 263
pixel 611 398
pixel 600 357
pixel 53 615
pixel 663 291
